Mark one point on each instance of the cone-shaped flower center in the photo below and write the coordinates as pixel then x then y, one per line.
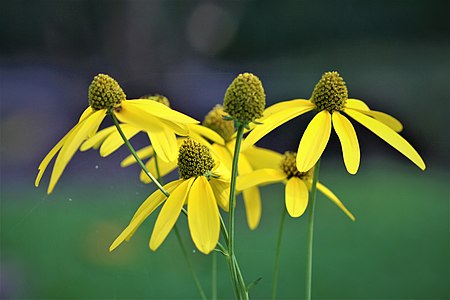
pixel 245 99
pixel 214 120
pixel 194 159
pixel 105 93
pixel 330 92
pixel 158 98
pixel 288 165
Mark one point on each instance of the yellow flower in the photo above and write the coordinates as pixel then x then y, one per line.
pixel 106 95
pixel 109 140
pixel 249 160
pixel 297 185
pixel 202 186
pixel 330 99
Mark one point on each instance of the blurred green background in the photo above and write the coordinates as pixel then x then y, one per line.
pixel 395 55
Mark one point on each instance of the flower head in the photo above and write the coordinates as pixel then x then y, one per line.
pixel 330 99
pixel 296 183
pixel 245 98
pixel 106 97
pixel 203 186
pixel 105 93
pixel 158 98
pixel 215 120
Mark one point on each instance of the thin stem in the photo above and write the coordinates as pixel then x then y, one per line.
pixel 133 152
pixel 183 249
pixel 214 277
pixel 310 233
pixel 277 255
pixel 236 277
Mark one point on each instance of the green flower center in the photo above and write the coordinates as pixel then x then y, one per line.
pixel 157 98
pixel 214 120
pixel 288 165
pixel 105 93
pixel 194 159
pixel 330 92
pixel 245 99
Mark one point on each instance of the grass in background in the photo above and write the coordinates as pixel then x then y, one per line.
pixel 57 247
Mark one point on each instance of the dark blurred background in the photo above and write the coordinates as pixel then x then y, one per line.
pixel 395 55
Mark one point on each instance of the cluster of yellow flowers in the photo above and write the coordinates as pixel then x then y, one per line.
pixel 205 154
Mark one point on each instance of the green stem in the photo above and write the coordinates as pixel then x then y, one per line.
pixel 133 152
pixel 236 277
pixel 194 275
pixel 214 277
pixel 277 255
pixel 310 233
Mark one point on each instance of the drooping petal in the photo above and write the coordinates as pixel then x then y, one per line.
pixel 164 169
pixel 165 144
pixel 114 140
pixel 253 210
pixel 384 118
pixel 388 135
pixel 206 132
pixel 80 133
pixel 284 105
pixel 222 154
pixel 273 121
pixel 43 165
pixel 259 177
pixel 349 141
pixel 203 216
pixel 296 197
pixel 161 111
pixel 314 141
pixel 143 153
pixel 86 113
pixel 330 195
pixel 145 210
pixel 95 141
pixel 169 214
pixel 221 191
pixel 261 158
pixel 356 104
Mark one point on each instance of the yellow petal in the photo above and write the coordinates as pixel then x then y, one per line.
pixel 296 197
pixel 329 194
pixel 273 121
pixel 165 144
pixel 143 153
pixel 388 135
pixel 96 140
pixel 284 105
pixel 314 141
pixel 86 113
pixel 203 216
pixel 356 104
pixel 114 140
pixel 206 132
pixel 384 118
pixel 261 158
pixel 43 165
pixel 349 142
pixel 259 177
pixel 80 133
pixel 222 154
pixel 169 214
pixel 146 208
pixel 221 191
pixel 161 111
pixel 252 201
pixel 164 168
